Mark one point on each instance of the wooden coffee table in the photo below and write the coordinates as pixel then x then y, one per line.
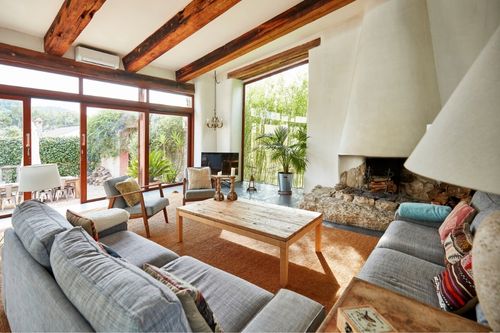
pixel 272 224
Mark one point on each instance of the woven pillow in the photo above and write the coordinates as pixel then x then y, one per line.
pixel 198 313
pixel 127 186
pixel 81 221
pixel 455 287
pixel 199 178
pixel 462 213
pixel 458 244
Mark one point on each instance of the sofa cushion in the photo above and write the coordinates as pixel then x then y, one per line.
pixel 86 223
pixel 129 185
pixel 402 273
pixel 462 213
pixel 198 313
pixel 110 293
pixel 288 312
pixel 458 243
pixel 423 212
pixel 199 178
pixel 455 286
pixel 138 250
pixel 415 240
pixel 233 301
pixel 484 203
pixel 36 225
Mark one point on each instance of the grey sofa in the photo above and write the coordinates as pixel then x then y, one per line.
pixel 36 249
pixel 410 253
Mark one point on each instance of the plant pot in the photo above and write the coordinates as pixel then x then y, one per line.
pixel 285 181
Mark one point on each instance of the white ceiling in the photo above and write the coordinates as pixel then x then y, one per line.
pixel 120 25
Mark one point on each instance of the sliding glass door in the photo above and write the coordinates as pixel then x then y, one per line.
pixel 112 147
pixel 11 153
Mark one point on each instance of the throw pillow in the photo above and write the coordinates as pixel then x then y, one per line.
pixel 199 178
pixel 462 213
pixel 455 286
pixel 127 186
pixel 458 243
pixel 423 212
pixel 198 313
pixel 81 221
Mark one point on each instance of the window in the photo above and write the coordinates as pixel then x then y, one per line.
pixel 168 137
pixel 279 100
pixel 29 78
pixel 111 90
pixel 160 97
pixel 112 147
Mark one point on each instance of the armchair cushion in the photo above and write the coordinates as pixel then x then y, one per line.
pixel 199 178
pixel 200 194
pixel 153 203
pixel 127 186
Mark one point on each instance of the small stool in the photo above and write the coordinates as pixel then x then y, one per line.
pixel 108 218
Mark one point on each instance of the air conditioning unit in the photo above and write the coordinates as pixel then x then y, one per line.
pixel 98 58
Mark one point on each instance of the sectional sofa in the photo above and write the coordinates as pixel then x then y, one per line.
pixel 56 278
pixel 410 254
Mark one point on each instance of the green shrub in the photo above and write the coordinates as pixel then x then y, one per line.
pixel 63 151
pixel 160 167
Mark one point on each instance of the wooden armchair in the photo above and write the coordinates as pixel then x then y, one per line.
pixel 195 194
pixel 152 200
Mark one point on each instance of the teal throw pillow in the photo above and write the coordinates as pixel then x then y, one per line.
pixel 423 212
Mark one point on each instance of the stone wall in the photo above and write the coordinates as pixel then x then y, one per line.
pixel 349 206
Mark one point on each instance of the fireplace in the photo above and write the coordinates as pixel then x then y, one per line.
pixel 383 174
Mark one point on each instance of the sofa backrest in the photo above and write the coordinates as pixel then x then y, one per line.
pixel 485 204
pixel 32 298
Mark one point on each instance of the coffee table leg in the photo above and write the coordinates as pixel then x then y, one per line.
pixel 284 265
pixel 179 226
pixel 319 229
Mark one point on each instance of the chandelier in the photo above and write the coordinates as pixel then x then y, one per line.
pixel 215 122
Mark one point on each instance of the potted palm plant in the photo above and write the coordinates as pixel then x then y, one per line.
pixel 287 148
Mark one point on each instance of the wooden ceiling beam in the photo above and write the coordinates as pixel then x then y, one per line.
pixel 17 56
pixel 275 62
pixel 303 13
pixel 72 18
pixel 193 17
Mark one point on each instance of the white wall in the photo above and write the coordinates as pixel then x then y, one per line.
pixel 394 92
pixel 205 139
pixel 331 68
pixel 460 29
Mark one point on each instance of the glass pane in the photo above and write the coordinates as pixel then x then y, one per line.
pixel 112 146
pixel 29 78
pixel 168 147
pixel 279 100
pixel 55 138
pixel 11 153
pixel 111 90
pixel 160 97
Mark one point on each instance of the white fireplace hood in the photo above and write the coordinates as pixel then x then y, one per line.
pixel 394 92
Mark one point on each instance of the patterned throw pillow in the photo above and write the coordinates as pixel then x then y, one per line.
pixel 127 186
pixel 81 221
pixel 199 178
pixel 198 313
pixel 455 286
pixel 462 213
pixel 458 243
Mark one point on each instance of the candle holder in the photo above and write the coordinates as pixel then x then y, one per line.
pixel 232 196
pixel 219 196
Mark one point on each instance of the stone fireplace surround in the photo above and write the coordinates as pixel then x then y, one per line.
pixel 350 202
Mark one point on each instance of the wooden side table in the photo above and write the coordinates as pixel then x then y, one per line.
pixel 403 313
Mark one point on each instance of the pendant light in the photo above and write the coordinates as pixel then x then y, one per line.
pixel 215 122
